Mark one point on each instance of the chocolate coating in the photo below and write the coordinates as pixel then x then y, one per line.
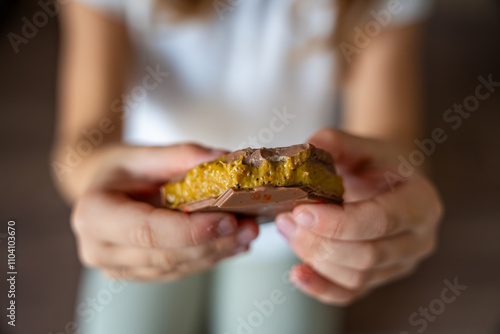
pixel 255 157
pixel 266 201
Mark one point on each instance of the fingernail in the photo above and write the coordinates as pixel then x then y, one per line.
pixel 246 235
pixel 226 226
pixel 286 227
pixel 301 275
pixel 305 219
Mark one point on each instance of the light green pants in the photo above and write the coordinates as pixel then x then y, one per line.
pixel 241 296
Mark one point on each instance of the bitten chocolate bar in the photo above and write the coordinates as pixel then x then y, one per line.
pixel 258 182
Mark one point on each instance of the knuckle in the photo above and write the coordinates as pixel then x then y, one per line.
pixel 192 233
pixel 315 250
pixel 384 221
pixel 81 218
pixel 320 251
pixel 89 258
pixel 357 279
pixel 143 235
pixel 85 259
pixel 198 228
pixel 78 224
pixel 184 268
pixel 384 227
pixel 165 259
pixel 370 255
pixel 306 247
pixel 337 229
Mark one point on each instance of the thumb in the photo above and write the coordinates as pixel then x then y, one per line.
pixel 165 162
pixel 349 151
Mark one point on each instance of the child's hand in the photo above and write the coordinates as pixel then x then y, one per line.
pixel 128 238
pixel 377 235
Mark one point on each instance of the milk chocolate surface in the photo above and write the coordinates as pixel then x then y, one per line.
pixel 267 200
pixel 264 202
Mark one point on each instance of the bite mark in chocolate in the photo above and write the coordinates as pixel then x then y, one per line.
pixel 259 182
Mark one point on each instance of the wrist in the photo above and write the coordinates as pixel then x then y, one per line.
pixel 73 171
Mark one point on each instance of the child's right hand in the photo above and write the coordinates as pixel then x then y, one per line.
pixel 129 238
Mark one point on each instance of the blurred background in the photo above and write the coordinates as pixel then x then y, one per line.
pixel 462 43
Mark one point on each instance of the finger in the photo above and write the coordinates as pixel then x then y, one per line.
pixel 317 286
pixel 321 252
pixel 135 274
pixel 204 264
pixel 97 254
pixel 362 162
pixel 115 218
pixel 412 206
pixel 148 274
pixel 163 162
pixel 354 279
pixel 352 152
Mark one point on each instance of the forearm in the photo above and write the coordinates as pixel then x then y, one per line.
pixel 94 62
pixel 383 92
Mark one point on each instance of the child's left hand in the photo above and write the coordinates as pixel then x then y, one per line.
pixel 379 234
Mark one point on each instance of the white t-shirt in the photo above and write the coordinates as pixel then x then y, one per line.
pixel 256 74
